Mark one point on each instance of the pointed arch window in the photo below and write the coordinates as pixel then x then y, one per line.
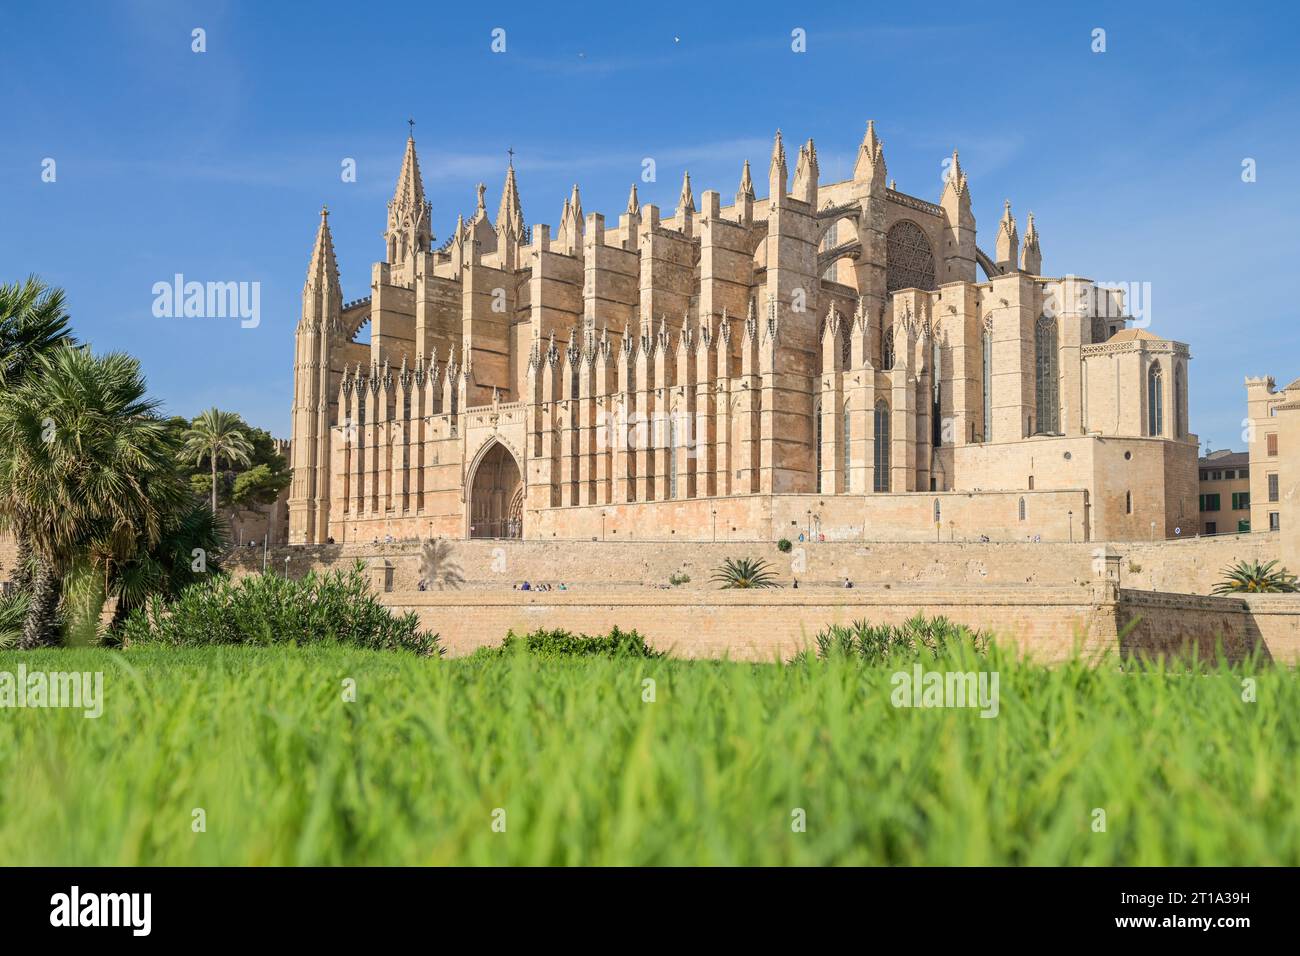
pixel 1022 509
pixel 1047 377
pixel 887 349
pixel 1180 403
pixel 988 384
pixel 672 455
pixel 881 482
pixel 848 434
pixel 936 406
pixel 817 414
pixel 1155 401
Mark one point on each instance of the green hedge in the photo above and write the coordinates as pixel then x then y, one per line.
pixel 337 607
pixel 616 643
pixel 916 637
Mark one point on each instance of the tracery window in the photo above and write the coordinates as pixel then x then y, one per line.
pixel 988 385
pixel 1047 377
pixel 848 472
pixel 909 261
pixel 881 482
pixel 1180 403
pixel 1155 400
pixel 887 350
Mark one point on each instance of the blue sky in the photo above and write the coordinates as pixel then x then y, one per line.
pixel 215 165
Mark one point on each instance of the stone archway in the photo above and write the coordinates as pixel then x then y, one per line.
pixel 496 496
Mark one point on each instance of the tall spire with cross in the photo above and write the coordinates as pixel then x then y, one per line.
pixel 510 214
pixel 409 230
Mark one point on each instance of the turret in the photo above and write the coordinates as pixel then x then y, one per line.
pixel 959 258
pixel 409 232
pixel 314 392
pixel 777 174
pixel 1031 257
pixel 1008 242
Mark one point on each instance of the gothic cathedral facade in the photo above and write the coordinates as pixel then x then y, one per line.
pixel 825 361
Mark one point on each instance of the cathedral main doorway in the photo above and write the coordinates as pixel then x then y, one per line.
pixel 496 500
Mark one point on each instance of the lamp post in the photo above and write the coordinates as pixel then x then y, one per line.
pixel 286 567
pixel 1070 514
pixel 714 512
pixel 809 531
pixel 602 526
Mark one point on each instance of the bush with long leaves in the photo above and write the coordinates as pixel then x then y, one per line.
pixel 264 609
pixel 744 573
pixel 916 637
pixel 1253 577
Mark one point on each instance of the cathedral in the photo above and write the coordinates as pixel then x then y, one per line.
pixel 837 361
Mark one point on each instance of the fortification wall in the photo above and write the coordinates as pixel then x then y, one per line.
pixel 764 625
pixel 1189 566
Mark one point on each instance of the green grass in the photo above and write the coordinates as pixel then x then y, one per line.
pixel 588 773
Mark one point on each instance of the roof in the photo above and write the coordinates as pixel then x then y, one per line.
pixel 1225 459
pixel 1131 335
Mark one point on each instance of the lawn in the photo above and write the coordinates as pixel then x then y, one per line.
pixel 718 769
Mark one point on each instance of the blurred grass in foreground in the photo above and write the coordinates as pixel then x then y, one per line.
pixel 711 772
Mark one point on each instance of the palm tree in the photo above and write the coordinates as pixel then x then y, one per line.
pixel 744 573
pixel 87 469
pixel 33 322
pixel 1251 577
pixel 217 434
pixel 170 564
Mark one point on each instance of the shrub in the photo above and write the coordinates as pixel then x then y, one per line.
pixel 918 636
pixel 266 609
pixel 13 611
pixel 784 546
pixel 1251 577
pixel 616 643
pixel 679 578
pixel 744 573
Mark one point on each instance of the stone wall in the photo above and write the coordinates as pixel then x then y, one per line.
pixel 764 625
pixel 1190 566
pixel 1153 623
pixel 1276 620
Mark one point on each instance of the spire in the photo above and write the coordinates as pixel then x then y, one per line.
pixel 510 214
pixel 777 174
pixel 746 190
pixel 778 152
pixel 480 210
pixel 1031 257
pixel 409 194
pixel 1008 243
pixel 871 156
pixel 633 204
pixel 956 181
pixel 806 174
pixel 323 271
pixel 409 213
pixel 575 204
pixel 686 201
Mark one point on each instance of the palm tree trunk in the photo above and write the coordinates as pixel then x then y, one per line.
pixel 22 576
pixel 214 484
pixel 41 627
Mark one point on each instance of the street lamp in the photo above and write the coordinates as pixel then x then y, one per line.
pixel 809 532
pixel 1070 514
pixel 286 567
pixel 714 512
pixel 602 526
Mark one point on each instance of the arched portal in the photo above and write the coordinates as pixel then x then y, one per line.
pixel 496 498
